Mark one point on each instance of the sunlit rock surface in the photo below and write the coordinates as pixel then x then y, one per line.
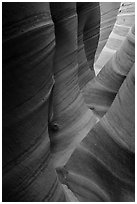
pixel 109 11
pixel 101 91
pixel 67 135
pixel 125 20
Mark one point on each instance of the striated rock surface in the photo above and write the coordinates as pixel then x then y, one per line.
pixel 28 50
pixel 101 91
pixel 125 20
pixel 102 167
pixel 53 148
pixel 71 116
pixel 88 36
pixel 109 11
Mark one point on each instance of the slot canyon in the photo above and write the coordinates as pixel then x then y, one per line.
pixel 68 101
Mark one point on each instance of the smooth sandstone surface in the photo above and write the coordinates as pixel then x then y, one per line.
pixel 109 11
pixel 71 115
pixel 54 146
pixel 102 167
pixel 28 50
pixel 124 21
pixel 88 36
pixel 101 91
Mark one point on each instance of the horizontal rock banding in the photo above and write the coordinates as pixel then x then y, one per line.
pixel 102 167
pixel 28 49
pixel 71 116
pixel 48 56
pixel 125 20
pixel 109 11
pixel 88 35
pixel 101 91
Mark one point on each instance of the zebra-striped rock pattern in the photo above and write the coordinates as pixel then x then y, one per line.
pixel 125 20
pixel 88 36
pixel 102 167
pixel 71 120
pixel 28 50
pixel 109 11
pixel 101 91
pixel 53 150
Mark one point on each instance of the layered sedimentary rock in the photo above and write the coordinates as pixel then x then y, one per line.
pixel 88 36
pixel 71 119
pixel 101 91
pixel 48 56
pixel 28 50
pixel 109 11
pixel 125 20
pixel 102 167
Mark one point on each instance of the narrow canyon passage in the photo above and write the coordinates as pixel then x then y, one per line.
pixel 68 102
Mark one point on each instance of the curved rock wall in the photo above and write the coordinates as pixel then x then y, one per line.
pixel 71 116
pixel 54 146
pixel 109 11
pixel 125 20
pixel 101 91
pixel 102 167
pixel 28 50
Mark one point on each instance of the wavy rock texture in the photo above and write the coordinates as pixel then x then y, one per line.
pixel 102 167
pixel 71 120
pixel 125 20
pixel 101 91
pixel 109 11
pixel 105 12
pixel 28 50
pixel 88 36
pixel 48 56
